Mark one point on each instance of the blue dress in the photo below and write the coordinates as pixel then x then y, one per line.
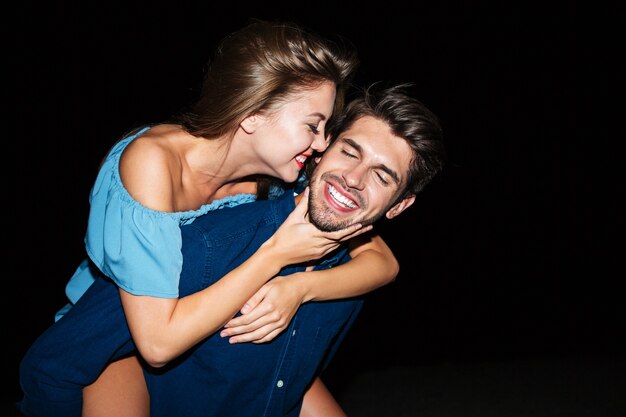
pixel 136 247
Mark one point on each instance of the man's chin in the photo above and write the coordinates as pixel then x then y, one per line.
pixel 325 226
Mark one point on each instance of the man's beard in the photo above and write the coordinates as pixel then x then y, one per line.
pixel 323 217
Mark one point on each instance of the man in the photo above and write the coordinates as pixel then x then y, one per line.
pixel 387 147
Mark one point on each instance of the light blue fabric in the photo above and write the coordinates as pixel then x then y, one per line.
pixel 138 248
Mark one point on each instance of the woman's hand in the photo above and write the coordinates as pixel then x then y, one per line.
pixel 268 312
pixel 297 240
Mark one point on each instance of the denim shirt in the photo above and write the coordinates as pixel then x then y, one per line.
pixel 269 379
pixel 214 378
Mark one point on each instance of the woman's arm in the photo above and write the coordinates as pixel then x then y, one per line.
pixel 373 265
pixel 271 309
pixel 164 328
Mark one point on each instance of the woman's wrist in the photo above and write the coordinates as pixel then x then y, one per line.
pixel 303 284
pixel 271 258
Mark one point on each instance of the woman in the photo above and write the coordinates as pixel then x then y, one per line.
pixel 267 98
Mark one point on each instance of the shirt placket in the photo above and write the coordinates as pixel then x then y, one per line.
pixel 281 380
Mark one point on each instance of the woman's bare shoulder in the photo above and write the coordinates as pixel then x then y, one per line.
pixel 147 167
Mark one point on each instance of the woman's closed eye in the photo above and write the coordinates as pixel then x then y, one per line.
pixel 314 129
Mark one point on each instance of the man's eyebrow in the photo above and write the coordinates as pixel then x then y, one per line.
pixel 393 174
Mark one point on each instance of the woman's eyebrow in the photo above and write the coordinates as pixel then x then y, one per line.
pixel 318 114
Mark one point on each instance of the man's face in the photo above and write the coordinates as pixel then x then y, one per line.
pixel 359 177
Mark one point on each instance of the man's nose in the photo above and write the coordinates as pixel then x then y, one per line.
pixel 354 177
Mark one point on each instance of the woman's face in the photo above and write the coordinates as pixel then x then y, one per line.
pixel 286 137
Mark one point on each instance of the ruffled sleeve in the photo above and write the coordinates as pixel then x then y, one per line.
pixel 136 247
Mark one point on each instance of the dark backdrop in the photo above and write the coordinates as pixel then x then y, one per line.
pixel 512 252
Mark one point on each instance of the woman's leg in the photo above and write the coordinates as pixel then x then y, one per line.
pixel 119 391
pixel 319 402
pixel 72 353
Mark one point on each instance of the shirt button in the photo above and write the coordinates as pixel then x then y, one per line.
pixel 280 383
pixel 293 333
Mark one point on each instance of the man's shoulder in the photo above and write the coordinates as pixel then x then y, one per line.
pixel 243 216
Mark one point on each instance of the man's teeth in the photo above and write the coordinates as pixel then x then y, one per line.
pixel 340 198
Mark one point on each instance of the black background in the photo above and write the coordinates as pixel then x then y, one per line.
pixel 514 251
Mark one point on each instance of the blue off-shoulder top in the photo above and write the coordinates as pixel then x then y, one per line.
pixel 137 247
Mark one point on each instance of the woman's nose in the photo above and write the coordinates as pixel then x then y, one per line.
pixel 320 143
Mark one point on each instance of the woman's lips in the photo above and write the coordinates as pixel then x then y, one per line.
pixel 301 159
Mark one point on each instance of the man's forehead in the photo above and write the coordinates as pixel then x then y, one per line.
pixel 374 133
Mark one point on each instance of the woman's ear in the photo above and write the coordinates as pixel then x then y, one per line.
pixel 400 207
pixel 250 123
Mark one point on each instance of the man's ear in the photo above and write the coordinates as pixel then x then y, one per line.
pixel 400 207
pixel 250 123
